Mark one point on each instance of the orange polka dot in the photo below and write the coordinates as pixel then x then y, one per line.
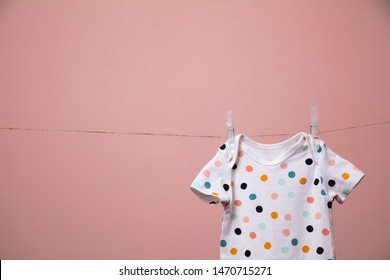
pixel 305 249
pixel 237 202
pixel 252 235
pixel 325 232
pixel 264 178
pixel 214 193
pixel 310 199
pixel 206 173
pixel 240 154
pixel 274 215
pixel 218 163
pixel 232 183
pixel 249 168
pixel 286 232
pixel 303 180
pixel 345 176
pixel 267 245
pixel 246 219
pixel 233 251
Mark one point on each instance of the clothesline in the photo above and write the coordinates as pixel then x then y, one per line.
pixel 179 134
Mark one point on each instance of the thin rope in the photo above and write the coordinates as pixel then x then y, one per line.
pixel 178 134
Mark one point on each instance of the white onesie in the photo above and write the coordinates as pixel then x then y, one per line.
pixel 277 198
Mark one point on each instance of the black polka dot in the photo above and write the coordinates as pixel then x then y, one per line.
pixel 238 231
pixel 259 209
pixel 316 181
pixel 247 253
pixel 331 183
pixel 309 228
pixel 309 161
pixel 226 187
pixel 234 166
pixel 320 250
pixel 213 202
pixel 223 147
pixel 243 186
pixel 330 204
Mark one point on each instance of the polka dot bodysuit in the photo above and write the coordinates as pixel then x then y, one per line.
pixel 277 198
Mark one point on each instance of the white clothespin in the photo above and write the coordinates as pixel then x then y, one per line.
pixel 314 130
pixel 230 130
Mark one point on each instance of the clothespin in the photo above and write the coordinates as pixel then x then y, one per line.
pixel 230 129
pixel 314 130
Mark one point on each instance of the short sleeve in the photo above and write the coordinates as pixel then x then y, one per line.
pixel 340 176
pixel 212 184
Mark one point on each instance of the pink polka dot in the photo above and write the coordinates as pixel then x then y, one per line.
pixel 331 162
pixel 287 217
pixel 240 154
pixel 217 163
pixel 325 231
pixel 274 196
pixel 230 159
pixel 252 235
pixel 206 173
pixel 310 199
pixel 246 219
pixel 286 232
pixel 283 165
pixel 318 215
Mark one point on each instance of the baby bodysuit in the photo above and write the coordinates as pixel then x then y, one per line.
pixel 277 198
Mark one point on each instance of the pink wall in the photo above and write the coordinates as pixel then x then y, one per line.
pixel 173 67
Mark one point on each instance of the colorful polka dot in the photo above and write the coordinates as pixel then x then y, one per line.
pixel 285 250
pixel 247 253
pixel 234 216
pixel 319 149
pixel 310 199
pixel 274 215
pixel 274 196
pixel 329 204
pixel 318 215
pixel 214 193
pixel 267 245
pixel 223 147
pixel 252 196
pixel 238 231
pixel 206 173
pixel 309 161
pixel 320 250
pixel 306 214
pixel 286 232
pixel 325 232
pixel 294 242
pixel 196 184
pixel 309 228
pixel 234 166
pixel 207 185
pixel 262 226
pixel 346 191
pixel 331 162
pixel 240 154
pixel 237 202
pixel 291 174
pixel 305 147
pixel 303 180
pixel 281 182
pixel 246 219
pixel 323 192
pixel 252 235
pixel 259 209
pixel 345 176
pixel 321 179
pixel 264 178
pixel 287 217
pixel 249 168
pixel 243 186
pixel 226 187
pixel 218 163
pixel 223 243
pixel 331 183
pixel 233 251
pixel 291 194
pixel 316 181
pixel 283 165
pixel 305 249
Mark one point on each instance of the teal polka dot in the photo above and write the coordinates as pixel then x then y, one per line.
pixel 291 174
pixel 252 196
pixel 319 149
pixel 196 184
pixel 321 179
pixel 207 185
pixel 346 191
pixel 285 250
pixel 306 214
pixel 223 243
pixel 281 182
pixel 262 226
pixel 323 192
pixel 234 216
pixel 294 242
pixel 291 194
pixel 305 148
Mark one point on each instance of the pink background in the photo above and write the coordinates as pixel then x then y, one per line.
pixel 173 67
